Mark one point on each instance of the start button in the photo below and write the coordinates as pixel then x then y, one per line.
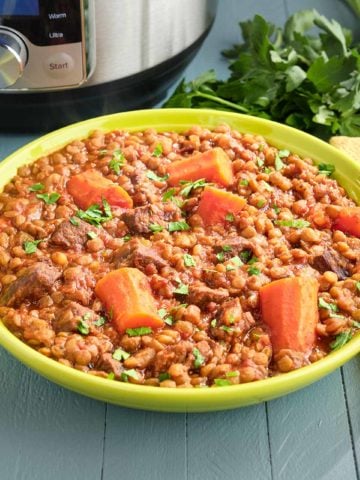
pixel 59 65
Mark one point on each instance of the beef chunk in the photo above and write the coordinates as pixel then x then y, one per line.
pixel 67 319
pixel 67 235
pixel 330 260
pixel 33 283
pixel 109 364
pixel 139 219
pixel 137 254
pixel 236 244
pixel 201 295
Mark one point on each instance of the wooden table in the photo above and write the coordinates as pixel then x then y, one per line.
pixel 47 432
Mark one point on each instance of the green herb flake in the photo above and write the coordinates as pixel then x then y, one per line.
pixel 152 176
pixel 137 332
pixel 294 223
pixel 232 374
pixel 94 215
pixel 189 186
pixel 253 260
pixel 253 271
pixel 49 198
pixel 213 323
pixel 245 255
pixel 154 227
pixel 162 312
pixel 36 187
pixel 120 354
pixel 127 238
pixel 199 359
pixel 158 150
pixel 279 164
pixel 103 152
pixel 182 289
pixel 169 320
pixel 222 382
pixel 356 324
pixel 117 162
pixel 261 203
pixel 82 326
pixel 260 162
pixel 236 261
pixel 283 153
pixel 74 221
pixel 244 182
pixel 91 235
pixel 220 256
pixel 276 209
pixel 229 217
pixel 226 248
pixel 332 307
pixel 326 169
pixel 126 374
pixel 267 187
pixel 164 376
pixel 189 260
pixel 267 170
pixel 100 322
pixel 341 339
pixel 226 329
pixel 111 376
pixel 168 195
pixel 178 226
pixel 30 246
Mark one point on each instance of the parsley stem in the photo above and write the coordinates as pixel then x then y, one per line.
pixel 221 101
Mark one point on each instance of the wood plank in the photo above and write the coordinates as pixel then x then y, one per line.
pixel 351 373
pixel 232 445
pixel 46 431
pixel 309 433
pixel 144 445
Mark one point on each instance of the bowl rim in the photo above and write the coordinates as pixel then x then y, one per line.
pixel 179 399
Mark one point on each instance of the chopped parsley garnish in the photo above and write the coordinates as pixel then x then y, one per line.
pixel 152 176
pixel 355 324
pixel 220 256
pixel 178 226
pixel 260 162
pixel 232 374
pixel 120 354
pixel 226 248
pixel 158 150
pixel 235 261
pixel 111 376
pixel 31 246
pixel 164 376
pixel 226 328
pixel 254 271
pixel 126 374
pixel 253 260
pixel 326 169
pixel 276 209
pixel 126 238
pixel 154 227
pixel 267 170
pixel 36 187
pixel 117 161
pixel 182 289
pixel 100 322
pixel 168 195
pixel 168 319
pixel 83 326
pixel 189 260
pixel 283 153
pixel 268 187
pixel 49 198
pixel 245 255
pixel 91 235
pixel 74 221
pixel 294 223
pixel 279 164
pixel 94 215
pixel 261 203
pixel 244 182
pixel 103 152
pixel 135 332
pixel 229 217
pixel 332 307
pixel 199 359
pixel 222 382
pixel 188 186
pixel 340 340
pixel 213 323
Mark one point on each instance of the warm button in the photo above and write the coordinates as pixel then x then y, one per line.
pixel 59 64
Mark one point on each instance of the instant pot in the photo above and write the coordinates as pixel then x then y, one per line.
pixel 66 60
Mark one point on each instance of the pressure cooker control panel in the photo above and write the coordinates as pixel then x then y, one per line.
pixel 43 44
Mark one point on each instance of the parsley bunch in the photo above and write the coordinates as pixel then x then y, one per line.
pixel 307 80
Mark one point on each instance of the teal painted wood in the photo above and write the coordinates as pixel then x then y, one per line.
pixel 144 445
pixel 229 445
pixel 310 435
pixel 46 432
pixel 351 376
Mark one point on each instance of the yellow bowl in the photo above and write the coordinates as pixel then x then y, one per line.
pixel 183 400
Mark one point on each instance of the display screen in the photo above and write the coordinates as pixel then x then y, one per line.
pixel 19 7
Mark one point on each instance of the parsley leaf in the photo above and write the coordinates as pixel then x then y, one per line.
pixel 135 332
pixel 36 187
pixel 83 326
pixel 326 169
pixel 220 256
pixel 189 186
pixel 279 164
pixel 158 150
pixel 294 223
pixel 30 246
pixel 49 198
pixel 126 374
pixel 244 182
pixel 168 195
pixel 100 322
pixel 229 217
pixel 189 260
pixel 332 307
pixel 154 227
pixel 120 354
pixel 91 235
pixel 152 176
pixel 74 221
pixel 199 359
pixel 94 215
pixel 222 382
pixel 117 162
pixel 168 319
pixel 182 289
pixel 164 376
pixel 254 271
pixel 340 340
pixel 178 226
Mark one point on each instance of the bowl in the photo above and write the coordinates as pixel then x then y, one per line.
pixel 168 399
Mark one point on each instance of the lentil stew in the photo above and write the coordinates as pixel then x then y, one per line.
pixel 205 247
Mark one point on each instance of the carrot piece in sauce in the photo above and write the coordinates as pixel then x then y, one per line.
pixel 219 206
pixel 213 165
pixel 289 307
pixel 90 187
pixel 127 296
pixel 348 221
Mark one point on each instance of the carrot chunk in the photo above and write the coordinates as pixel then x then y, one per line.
pixel 218 206
pixel 127 296
pixel 348 221
pixel 213 165
pixel 91 187
pixel 289 307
